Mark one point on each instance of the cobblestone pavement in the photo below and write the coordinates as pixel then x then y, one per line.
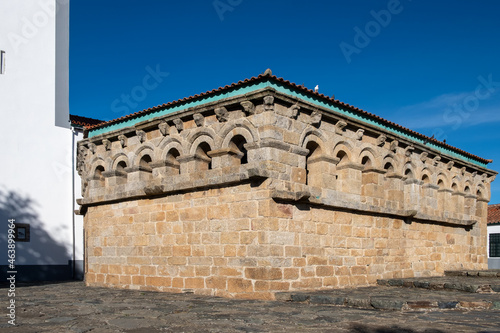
pixel 72 307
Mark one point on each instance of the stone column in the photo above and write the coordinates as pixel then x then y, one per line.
pixel 194 163
pixel 349 178
pixel 165 169
pixel 412 194
pixel 445 201
pixel 225 157
pixel 430 199
pixel 394 190
pixel 320 172
pixel 372 180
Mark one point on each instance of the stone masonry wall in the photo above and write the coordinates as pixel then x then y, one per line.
pixel 236 242
pixel 263 192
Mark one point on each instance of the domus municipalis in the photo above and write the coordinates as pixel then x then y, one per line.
pixel 265 186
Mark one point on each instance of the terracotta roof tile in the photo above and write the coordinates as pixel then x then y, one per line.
pixel 83 121
pixel 263 77
pixel 494 214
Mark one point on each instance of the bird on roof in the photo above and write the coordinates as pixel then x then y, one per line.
pixel 316 88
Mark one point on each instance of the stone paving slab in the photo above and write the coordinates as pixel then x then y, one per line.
pixel 73 307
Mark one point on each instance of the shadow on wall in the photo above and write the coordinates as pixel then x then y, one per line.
pixel 42 258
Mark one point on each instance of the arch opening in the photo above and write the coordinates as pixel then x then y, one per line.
pixel 202 155
pixel 238 144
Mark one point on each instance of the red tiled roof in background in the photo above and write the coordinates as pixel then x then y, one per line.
pixel 83 121
pixel 494 214
pixel 268 76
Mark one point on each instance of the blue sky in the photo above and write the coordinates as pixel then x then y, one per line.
pixel 432 66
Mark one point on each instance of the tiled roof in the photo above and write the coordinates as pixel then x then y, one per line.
pixel 494 214
pixel 83 121
pixel 300 88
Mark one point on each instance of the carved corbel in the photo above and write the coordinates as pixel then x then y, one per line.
pixel 269 103
pixel 164 128
pixel 436 160
pixel 449 165
pixel 249 107
pixel 294 110
pixel 394 145
pixel 141 135
pixel 381 140
pixel 107 144
pixel 199 120
pixel 359 134
pixel 179 124
pixel 462 171
pixel 92 147
pixel 222 114
pixel 315 118
pixel 123 140
pixel 80 159
pixel 474 174
pixel 409 150
pixel 424 157
pixel 339 127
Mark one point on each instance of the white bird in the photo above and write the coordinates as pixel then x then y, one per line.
pixel 316 88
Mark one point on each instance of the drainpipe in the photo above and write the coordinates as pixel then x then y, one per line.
pixel 73 134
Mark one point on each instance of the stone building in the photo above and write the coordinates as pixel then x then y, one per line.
pixel 265 186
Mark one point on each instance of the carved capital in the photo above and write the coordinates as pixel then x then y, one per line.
pixel 248 106
pixel 164 128
pixel 381 140
pixel 359 134
pixel 339 127
pixel 199 120
pixel 141 135
pixel 222 114
pixel 107 144
pixel 269 103
pixel 123 140
pixel 179 124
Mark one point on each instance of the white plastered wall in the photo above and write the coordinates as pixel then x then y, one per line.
pixel 36 169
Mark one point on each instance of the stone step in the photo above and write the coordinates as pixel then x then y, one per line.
pixel 399 299
pixel 491 273
pixel 458 283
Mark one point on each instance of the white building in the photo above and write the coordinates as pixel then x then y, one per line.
pixel 494 236
pixel 38 182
